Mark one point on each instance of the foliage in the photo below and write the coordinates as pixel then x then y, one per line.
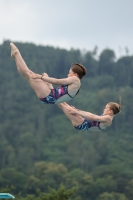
pixel 39 148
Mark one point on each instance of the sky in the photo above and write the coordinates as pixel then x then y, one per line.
pixel 77 24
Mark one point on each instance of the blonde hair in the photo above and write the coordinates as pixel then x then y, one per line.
pixel 115 107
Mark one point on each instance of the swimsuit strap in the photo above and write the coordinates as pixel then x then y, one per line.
pixel 99 126
pixel 70 95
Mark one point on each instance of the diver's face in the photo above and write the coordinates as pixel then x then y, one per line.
pixel 71 73
pixel 107 110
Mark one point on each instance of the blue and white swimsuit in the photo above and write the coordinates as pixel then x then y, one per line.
pixel 55 94
pixel 88 124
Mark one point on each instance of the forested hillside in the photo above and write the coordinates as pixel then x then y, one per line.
pixel 39 148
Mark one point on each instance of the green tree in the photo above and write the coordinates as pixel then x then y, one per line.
pixel 112 196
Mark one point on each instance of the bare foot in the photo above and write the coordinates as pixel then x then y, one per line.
pixel 14 49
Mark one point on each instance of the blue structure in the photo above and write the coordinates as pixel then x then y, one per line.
pixel 6 196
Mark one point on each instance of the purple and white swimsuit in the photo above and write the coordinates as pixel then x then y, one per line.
pixel 55 94
pixel 88 124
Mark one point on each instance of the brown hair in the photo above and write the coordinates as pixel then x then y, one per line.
pixel 115 107
pixel 79 69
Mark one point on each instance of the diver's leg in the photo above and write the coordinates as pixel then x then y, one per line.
pixel 39 86
pixel 74 118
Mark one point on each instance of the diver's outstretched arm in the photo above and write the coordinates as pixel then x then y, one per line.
pixel 74 118
pixel 90 116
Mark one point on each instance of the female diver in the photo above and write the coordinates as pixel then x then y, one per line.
pixel 83 120
pixel 41 84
